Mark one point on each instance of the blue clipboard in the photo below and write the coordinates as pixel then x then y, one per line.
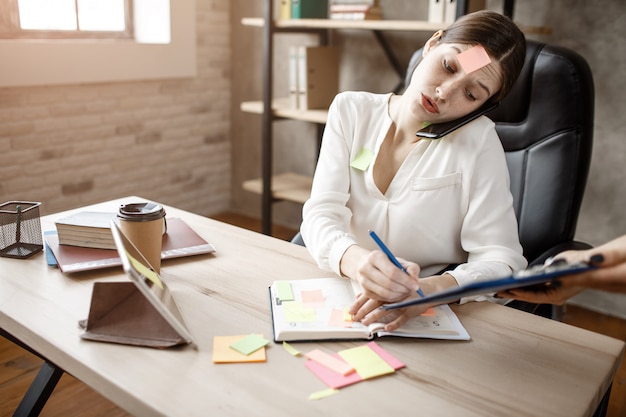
pixel 535 275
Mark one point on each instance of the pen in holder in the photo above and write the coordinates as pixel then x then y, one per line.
pixel 20 229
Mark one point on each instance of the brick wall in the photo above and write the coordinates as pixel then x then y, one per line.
pixel 166 140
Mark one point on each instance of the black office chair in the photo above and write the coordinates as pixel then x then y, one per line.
pixel 546 127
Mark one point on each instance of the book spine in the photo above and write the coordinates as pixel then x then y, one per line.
pixel 301 64
pixel 293 77
pixel 309 9
pixel 449 11
pixel 284 10
pixel 436 12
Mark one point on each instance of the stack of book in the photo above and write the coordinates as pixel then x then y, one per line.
pixel 87 229
pixel 313 76
pixel 356 10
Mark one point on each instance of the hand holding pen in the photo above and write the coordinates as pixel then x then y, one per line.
pixel 392 258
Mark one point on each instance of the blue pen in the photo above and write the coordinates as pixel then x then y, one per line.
pixel 392 258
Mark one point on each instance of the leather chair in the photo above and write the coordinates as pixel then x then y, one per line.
pixel 546 128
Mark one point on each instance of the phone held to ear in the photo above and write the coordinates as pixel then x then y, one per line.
pixel 439 130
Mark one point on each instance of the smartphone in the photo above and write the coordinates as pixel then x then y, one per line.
pixel 439 130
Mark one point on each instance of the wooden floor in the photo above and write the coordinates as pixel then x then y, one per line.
pixel 73 398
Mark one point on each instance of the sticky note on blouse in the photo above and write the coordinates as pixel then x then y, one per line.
pixel 473 59
pixel 362 160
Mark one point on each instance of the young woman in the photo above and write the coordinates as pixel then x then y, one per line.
pixel 433 202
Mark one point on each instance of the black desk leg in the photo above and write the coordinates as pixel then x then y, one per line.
pixel 39 391
pixel 604 404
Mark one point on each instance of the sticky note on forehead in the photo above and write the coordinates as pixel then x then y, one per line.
pixel 473 59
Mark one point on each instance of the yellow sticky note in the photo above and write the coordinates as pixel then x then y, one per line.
pixel 222 352
pixel 323 393
pixel 473 59
pixel 368 364
pixel 347 316
pixel 145 271
pixel 292 350
pixel 362 160
pixel 297 312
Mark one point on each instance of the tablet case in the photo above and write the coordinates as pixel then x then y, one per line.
pixel 120 313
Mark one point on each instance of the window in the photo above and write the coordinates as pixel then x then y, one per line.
pixel 162 45
pixel 145 21
pixel 67 19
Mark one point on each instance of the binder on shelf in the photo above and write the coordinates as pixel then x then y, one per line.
pixel 318 76
pixel 284 9
pixel 449 11
pixel 309 9
pixel 450 7
pixel 436 11
pixel 293 77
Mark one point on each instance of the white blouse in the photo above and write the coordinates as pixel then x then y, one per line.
pixel 449 203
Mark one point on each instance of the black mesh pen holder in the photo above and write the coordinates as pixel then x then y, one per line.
pixel 20 229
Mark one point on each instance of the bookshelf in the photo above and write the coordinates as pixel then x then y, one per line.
pixel 291 186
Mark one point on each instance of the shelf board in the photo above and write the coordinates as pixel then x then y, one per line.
pixel 287 186
pixel 395 25
pixel 386 25
pixel 282 108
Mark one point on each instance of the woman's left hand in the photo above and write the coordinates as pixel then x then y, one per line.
pixel 367 311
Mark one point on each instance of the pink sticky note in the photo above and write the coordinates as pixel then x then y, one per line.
pixel 331 378
pixel 474 58
pixel 330 362
pixel 337 318
pixel 312 296
pixel 430 312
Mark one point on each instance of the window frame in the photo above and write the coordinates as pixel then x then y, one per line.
pixel 10 26
pixel 70 62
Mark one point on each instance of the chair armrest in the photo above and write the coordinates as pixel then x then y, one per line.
pixel 555 250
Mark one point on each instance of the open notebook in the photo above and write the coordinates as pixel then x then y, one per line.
pixel 140 312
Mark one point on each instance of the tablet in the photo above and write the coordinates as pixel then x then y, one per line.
pixel 535 275
pixel 149 283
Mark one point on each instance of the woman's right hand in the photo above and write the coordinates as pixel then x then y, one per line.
pixel 380 278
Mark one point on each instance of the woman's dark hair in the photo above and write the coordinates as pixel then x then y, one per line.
pixel 500 37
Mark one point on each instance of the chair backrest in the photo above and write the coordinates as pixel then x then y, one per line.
pixel 546 128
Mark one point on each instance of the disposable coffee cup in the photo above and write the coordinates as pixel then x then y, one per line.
pixel 144 225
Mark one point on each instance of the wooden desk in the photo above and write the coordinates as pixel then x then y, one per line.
pixel 515 364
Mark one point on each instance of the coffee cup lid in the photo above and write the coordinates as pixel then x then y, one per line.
pixel 141 211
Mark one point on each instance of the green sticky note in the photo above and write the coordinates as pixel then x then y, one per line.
pixel 362 160
pixel 426 124
pixel 249 344
pixel 368 364
pixel 299 313
pixel 283 290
